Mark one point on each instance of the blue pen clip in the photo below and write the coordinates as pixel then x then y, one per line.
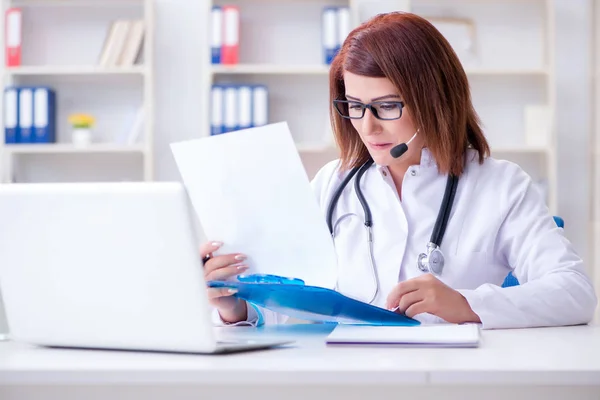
pixel 266 278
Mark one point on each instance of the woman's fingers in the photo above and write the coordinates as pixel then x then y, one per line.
pixel 221 267
pixel 409 299
pixel 209 247
pixel 417 308
pixel 225 272
pixel 219 262
pixel 400 290
pixel 215 293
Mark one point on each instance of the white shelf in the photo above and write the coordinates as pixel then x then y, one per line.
pixel 275 69
pixel 507 71
pixel 62 148
pixel 314 147
pixel 522 149
pixel 76 3
pixel 270 69
pixel 75 70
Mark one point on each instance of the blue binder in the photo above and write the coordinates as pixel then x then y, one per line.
pixel 217 110
pixel 230 108
pixel 245 108
pixel 216 34
pixel 11 115
pixel 25 115
pixel 44 115
pixel 329 34
pixel 311 303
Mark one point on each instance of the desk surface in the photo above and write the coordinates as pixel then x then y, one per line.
pixel 569 356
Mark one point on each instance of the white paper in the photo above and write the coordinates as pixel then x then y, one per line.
pixel 450 335
pixel 250 191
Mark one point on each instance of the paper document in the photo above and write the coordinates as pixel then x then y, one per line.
pixel 250 190
pixel 435 335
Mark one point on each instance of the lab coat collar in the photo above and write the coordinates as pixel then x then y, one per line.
pixel 427 160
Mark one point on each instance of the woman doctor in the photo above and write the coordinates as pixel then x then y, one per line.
pixel 397 81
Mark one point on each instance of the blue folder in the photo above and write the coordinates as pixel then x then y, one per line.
pixel 313 303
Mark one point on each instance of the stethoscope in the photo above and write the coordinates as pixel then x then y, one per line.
pixel 432 260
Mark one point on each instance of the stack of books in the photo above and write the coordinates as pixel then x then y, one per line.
pixel 123 43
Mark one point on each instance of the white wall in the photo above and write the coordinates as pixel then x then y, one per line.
pixel 179 60
pixel 574 90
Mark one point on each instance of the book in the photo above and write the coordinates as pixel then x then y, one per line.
pixel 133 43
pixel 435 335
pixel 123 43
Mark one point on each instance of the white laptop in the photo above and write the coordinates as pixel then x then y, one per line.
pixel 107 266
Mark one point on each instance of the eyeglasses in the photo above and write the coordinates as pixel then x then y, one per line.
pixel 383 110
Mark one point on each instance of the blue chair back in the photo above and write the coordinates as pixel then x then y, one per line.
pixel 510 279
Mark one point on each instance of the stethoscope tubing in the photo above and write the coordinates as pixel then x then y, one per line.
pixel 437 234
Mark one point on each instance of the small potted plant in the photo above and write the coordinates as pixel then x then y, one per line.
pixel 82 128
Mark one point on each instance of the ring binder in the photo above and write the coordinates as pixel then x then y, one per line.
pixel 290 296
pixel 267 278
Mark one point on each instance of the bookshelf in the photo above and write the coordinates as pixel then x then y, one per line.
pixel 63 42
pixel 505 79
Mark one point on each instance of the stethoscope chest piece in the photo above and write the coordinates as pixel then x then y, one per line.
pixel 432 261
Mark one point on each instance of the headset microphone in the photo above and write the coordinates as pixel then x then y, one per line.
pixel 400 149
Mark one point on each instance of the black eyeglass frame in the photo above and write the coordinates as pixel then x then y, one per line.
pixel 370 106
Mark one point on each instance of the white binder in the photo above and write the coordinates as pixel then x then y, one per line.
pixel 216 110
pixel 26 115
pixel 260 102
pixel 245 106
pixel 216 37
pixel 344 26
pixel 11 115
pixel 230 121
pixel 329 34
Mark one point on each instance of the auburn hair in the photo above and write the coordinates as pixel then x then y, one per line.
pixel 410 52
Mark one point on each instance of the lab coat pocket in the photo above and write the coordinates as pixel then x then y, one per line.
pixel 355 276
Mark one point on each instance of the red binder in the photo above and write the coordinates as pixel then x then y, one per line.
pixel 231 35
pixel 13 35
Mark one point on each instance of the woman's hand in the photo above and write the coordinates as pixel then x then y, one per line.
pixel 231 309
pixel 427 294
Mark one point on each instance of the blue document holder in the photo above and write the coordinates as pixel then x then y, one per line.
pixel 311 303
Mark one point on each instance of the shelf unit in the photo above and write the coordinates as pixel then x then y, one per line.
pixel 269 69
pixel 63 148
pixel 75 70
pixel 275 69
pixel 112 95
pixel 504 78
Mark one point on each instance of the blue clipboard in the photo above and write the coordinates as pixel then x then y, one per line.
pixel 291 297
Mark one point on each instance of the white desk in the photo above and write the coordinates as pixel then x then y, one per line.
pixel 546 363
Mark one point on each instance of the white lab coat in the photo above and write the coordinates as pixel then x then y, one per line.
pixel 499 223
